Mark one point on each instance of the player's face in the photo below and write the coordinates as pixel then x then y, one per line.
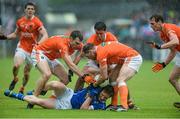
pixel 91 54
pixel 103 96
pixel 29 11
pixel 156 26
pixel 101 34
pixel 76 42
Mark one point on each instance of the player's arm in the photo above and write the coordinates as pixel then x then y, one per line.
pixel 104 74
pixel 159 66
pixel 43 33
pixel 86 104
pixel 10 36
pixel 71 65
pixel 78 57
pixel 173 41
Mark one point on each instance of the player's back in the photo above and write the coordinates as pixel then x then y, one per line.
pixel 114 53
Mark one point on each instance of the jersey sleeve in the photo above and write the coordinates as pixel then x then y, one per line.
pixel 39 23
pixel 101 57
pixel 113 37
pixel 91 39
pixel 64 50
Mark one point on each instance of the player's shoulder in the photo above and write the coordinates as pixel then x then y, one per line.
pixel 21 19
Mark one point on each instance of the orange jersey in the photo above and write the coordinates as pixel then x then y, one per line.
pixel 28 30
pixel 109 37
pixel 56 47
pixel 170 28
pixel 114 53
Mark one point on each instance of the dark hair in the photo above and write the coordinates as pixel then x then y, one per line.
pixel 87 47
pixel 157 18
pixel 109 90
pixel 31 4
pixel 75 34
pixel 100 26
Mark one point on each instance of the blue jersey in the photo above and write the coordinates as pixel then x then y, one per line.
pixel 78 99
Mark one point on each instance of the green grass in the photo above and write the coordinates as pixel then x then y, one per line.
pixel 150 91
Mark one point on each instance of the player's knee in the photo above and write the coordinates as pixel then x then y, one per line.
pixel 16 66
pixel 65 81
pixel 47 75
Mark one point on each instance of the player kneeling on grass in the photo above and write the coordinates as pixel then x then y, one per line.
pixel 88 98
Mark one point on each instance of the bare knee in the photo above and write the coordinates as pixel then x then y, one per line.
pixel 47 75
pixel 56 84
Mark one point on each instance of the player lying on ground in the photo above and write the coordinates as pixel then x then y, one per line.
pixel 89 98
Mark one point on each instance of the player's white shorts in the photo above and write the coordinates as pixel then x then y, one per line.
pixel 25 55
pixel 92 63
pixel 64 100
pixel 177 59
pixel 134 62
pixel 38 56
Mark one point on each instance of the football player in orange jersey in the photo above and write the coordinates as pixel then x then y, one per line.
pixel 30 31
pixel 101 37
pixel 114 53
pixel 170 34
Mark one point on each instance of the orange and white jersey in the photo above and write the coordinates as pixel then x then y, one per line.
pixel 56 47
pixel 167 29
pixel 109 37
pixel 28 31
pixel 114 53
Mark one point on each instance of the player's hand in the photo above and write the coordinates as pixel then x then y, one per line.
pixel 2 36
pixel 158 66
pixel 153 44
pixel 89 79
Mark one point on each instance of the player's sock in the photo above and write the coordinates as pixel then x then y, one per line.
pixel 123 92
pixel 114 101
pixel 13 83
pixel 53 97
pixel 18 96
pixel 21 90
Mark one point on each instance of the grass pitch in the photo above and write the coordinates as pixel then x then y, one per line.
pixel 150 91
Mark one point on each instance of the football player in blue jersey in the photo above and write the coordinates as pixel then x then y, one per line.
pixel 89 98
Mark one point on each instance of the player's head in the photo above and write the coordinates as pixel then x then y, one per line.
pixel 106 93
pixel 76 38
pixel 156 22
pixel 89 50
pixel 100 29
pixel 29 9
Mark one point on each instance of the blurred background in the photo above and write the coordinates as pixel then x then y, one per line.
pixel 127 19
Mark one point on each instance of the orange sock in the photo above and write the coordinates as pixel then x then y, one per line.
pixel 22 88
pixel 114 100
pixel 123 92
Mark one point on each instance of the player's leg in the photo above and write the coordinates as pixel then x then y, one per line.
pixel 45 103
pixel 174 78
pixel 59 71
pixel 113 76
pixel 56 86
pixel 43 67
pixel 128 70
pixel 19 59
pixel 125 74
pixel 27 69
